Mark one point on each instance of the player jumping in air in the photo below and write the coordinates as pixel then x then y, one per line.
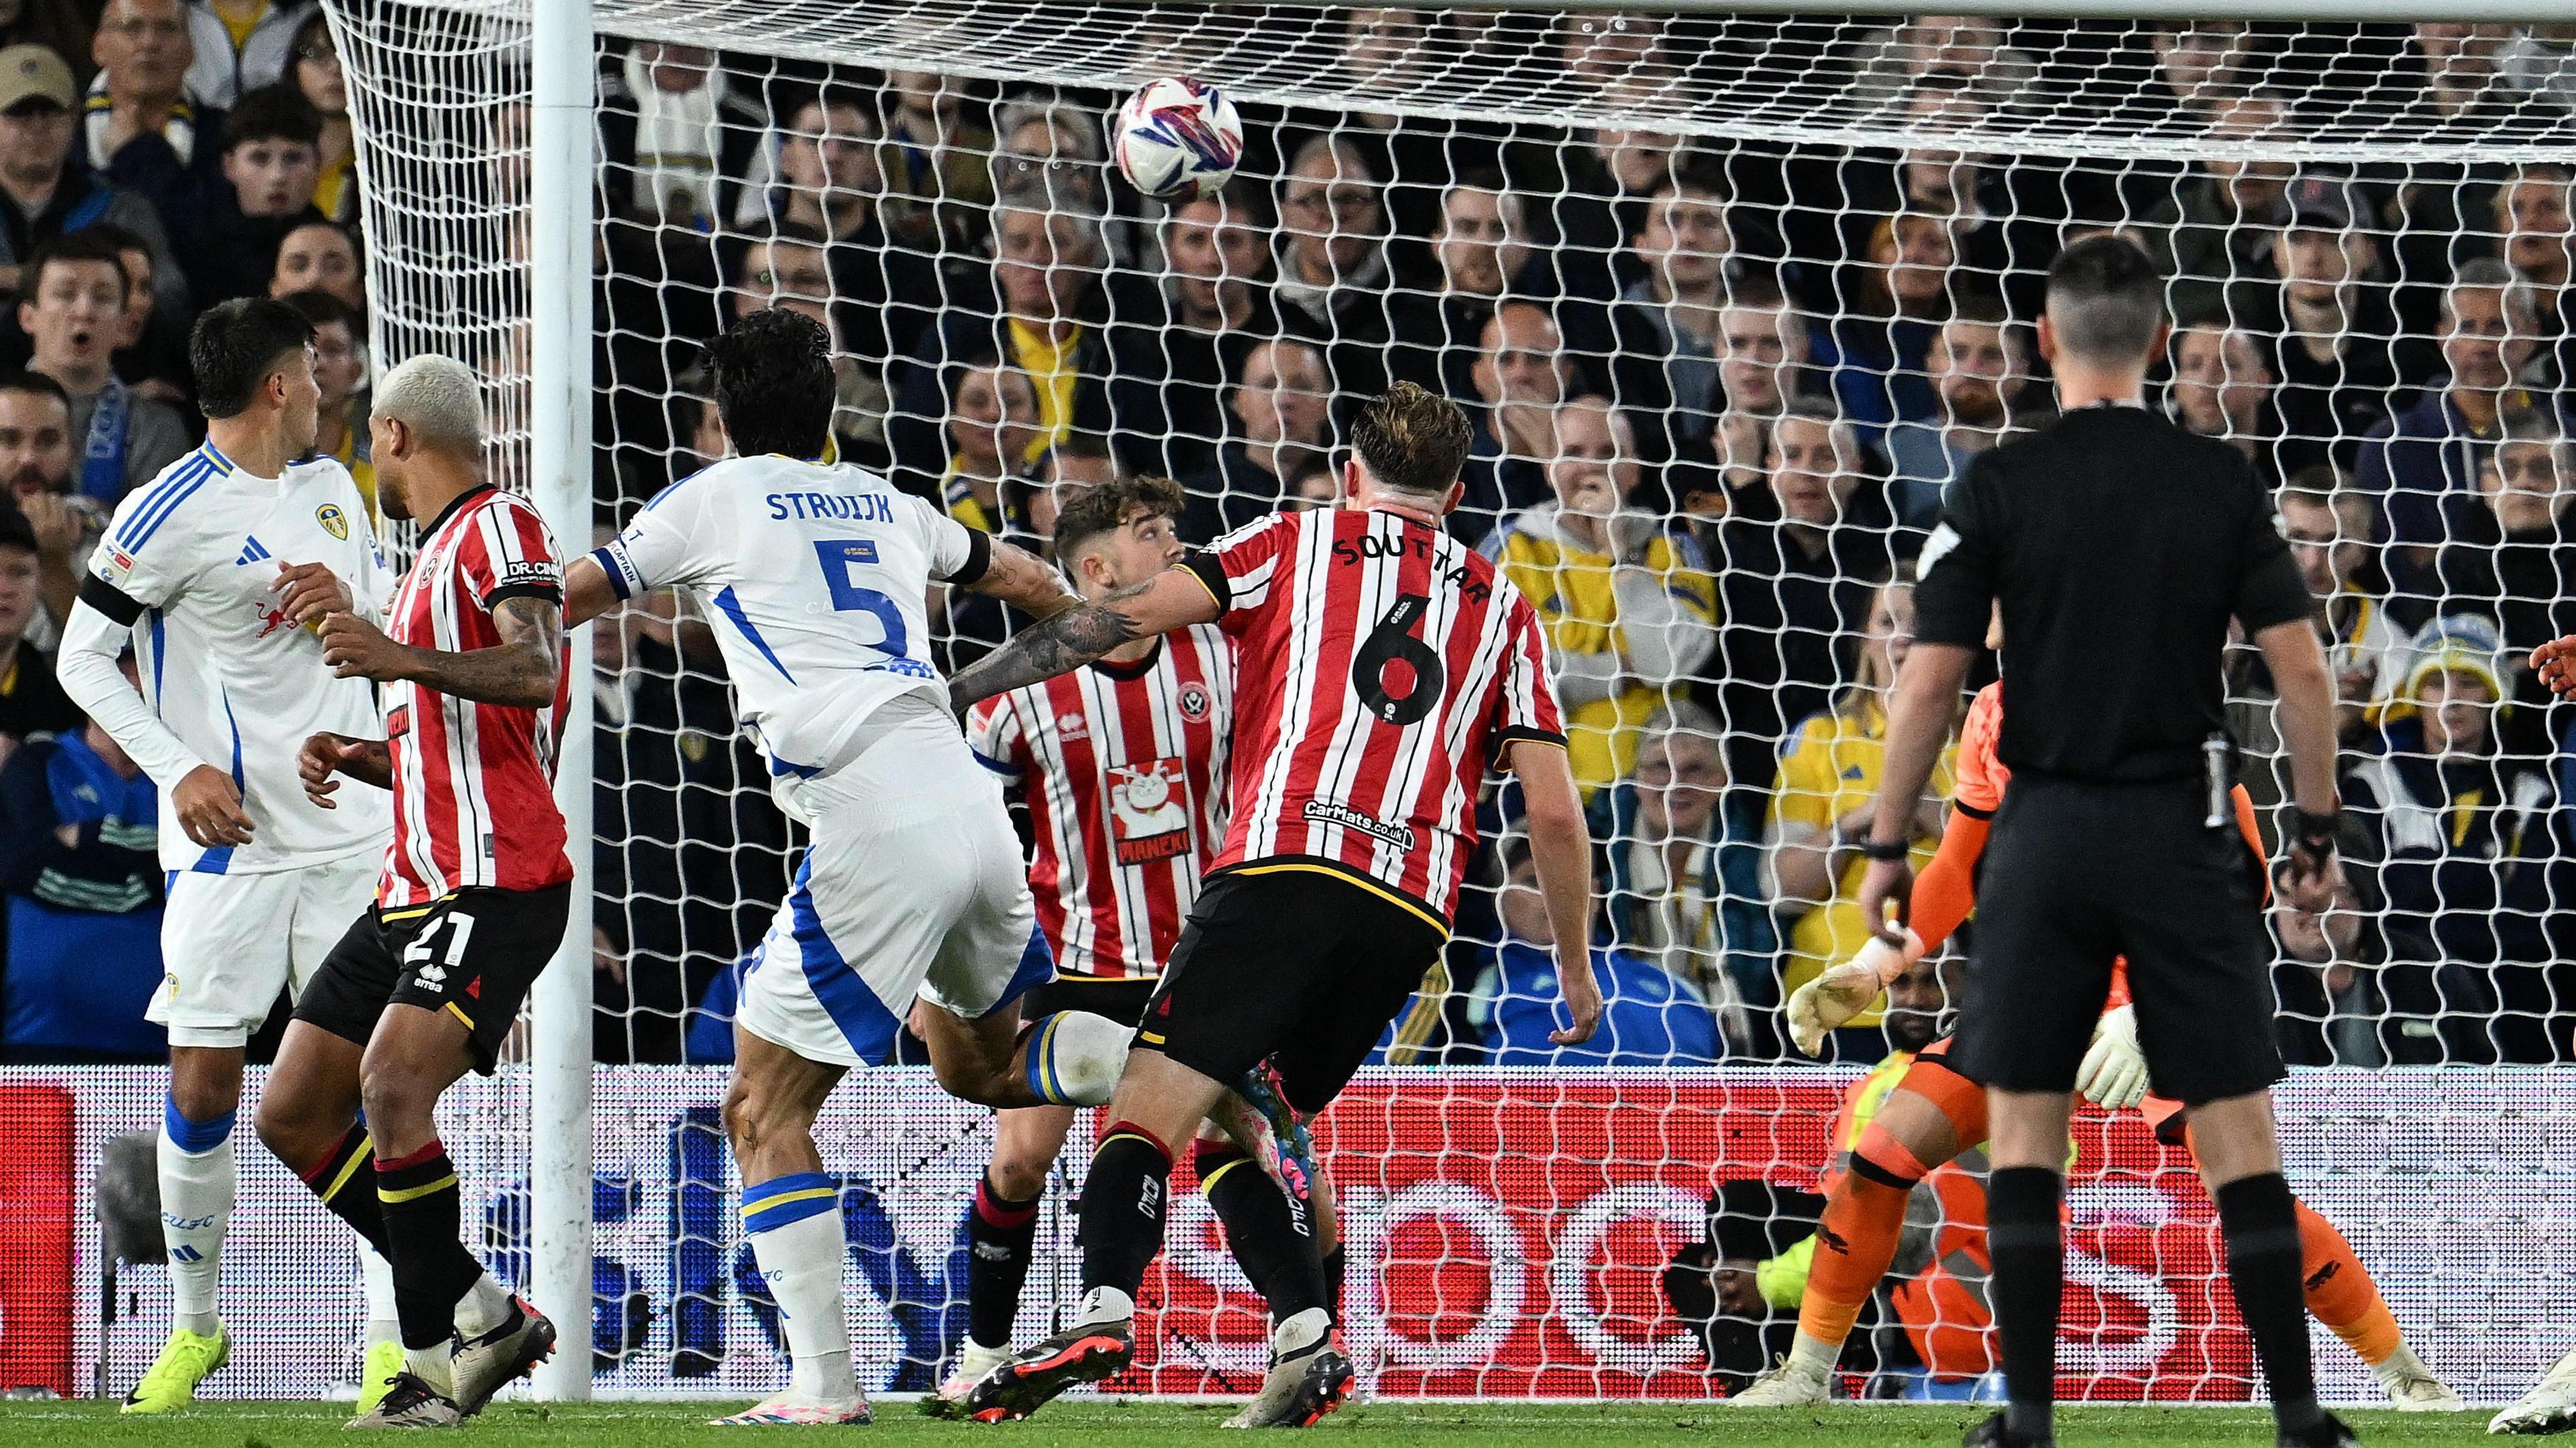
pixel 1123 767
pixel 199 573
pixel 1934 1114
pixel 1381 669
pixel 913 897
pixel 425 985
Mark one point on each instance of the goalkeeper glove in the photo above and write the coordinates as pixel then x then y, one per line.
pixel 1845 990
pixel 2114 1073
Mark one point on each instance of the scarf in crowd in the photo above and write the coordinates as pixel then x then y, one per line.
pixel 676 145
pixel 180 130
pixel 111 430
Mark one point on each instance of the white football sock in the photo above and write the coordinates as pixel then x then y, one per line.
pixel 802 1262
pixel 1104 1307
pixel 1299 1332
pixel 435 1365
pixel 196 1210
pixel 485 1306
pixel 383 1323
pixel 1074 1057
pixel 1813 1358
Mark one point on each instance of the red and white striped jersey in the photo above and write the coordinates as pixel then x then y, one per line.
pixel 1123 767
pixel 474 801
pixel 1381 666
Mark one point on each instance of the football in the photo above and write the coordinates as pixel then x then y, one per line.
pixel 1177 138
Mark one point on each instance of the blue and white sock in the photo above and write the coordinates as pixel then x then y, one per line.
pixel 195 1161
pixel 795 1228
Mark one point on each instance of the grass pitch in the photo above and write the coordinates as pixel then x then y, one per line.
pixel 1159 1425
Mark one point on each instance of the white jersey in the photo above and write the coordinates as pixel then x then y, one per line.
pixel 199 548
pixel 819 574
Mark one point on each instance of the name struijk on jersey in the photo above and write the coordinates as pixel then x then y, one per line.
pixel 1457 575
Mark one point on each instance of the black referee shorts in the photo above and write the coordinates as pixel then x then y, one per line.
pixel 473 954
pixel 1302 966
pixel 2078 874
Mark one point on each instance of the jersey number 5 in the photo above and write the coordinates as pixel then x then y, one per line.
pixel 837 555
pixel 1391 644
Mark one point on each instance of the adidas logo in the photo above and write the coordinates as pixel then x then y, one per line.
pixel 251 552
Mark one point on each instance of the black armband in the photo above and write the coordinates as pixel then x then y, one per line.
pixel 110 600
pixel 979 559
pixel 1886 849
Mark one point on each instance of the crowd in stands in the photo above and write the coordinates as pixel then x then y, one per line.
pixel 1719 389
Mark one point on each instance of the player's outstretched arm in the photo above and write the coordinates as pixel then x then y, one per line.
pixel 1174 598
pixel 522 671
pixel 587 591
pixel 1918 719
pixel 1561 849
pixel 1025 582
pixel 207 802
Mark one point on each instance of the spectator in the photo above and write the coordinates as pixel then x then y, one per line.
pixel 2456 843
pixel 1630 609
pixel 1218 300
pixel 1046 147
pixel 155 349
pixel 1605 192
pixel 340 371
pixel 1685 885
pixel 2464 87
pixel 676 137
pixel 47 195
pixel 2222 388
pixel 941 183
pixel 1483 247
pixel 154 135
pixel 1795 585
pixel 1521 378
pixel 2325 994
pixel 1283 410
pixel 270 163
pixel 1978 365
pixel 2200 61
pixel 832 174
pixel 1876 349
pixel 320 256
pixel 2423 462
pixel 1826 799
pixel 325 86
pixel 2344 363
pixel 1667 325
pixel 31 702
pixel 2513 560
pixel 1052 317
pixel 36 465
pixel 74 311
pixel 790 266
pixel 79 859
pixel 1332 287
pixel 61 26
pixel 2534 216
pixel 1764 347
pixel 1608 49
pixel 1888 62
pixel 992 426
pixel 1649 1017
pixel 242 45
pixel 2220 225
pixel 2329 531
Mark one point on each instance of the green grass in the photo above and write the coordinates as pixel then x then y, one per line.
pixel 1118 1424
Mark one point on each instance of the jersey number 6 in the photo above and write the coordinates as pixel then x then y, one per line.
pixel 837 555
pixel 1392 642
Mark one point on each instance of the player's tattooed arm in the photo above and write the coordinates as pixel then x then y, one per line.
pixel 1171 599
pixel 1025 582
pixel 522 671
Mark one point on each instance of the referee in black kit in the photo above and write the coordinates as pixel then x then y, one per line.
pixel 2119 546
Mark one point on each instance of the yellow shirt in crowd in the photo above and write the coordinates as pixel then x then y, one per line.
pixel 1829 768
pixel 1054 378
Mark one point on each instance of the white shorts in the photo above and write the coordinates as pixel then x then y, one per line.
pixel 230 943
pixel 913 888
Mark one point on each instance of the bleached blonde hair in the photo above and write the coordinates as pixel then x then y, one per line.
pixel 440 398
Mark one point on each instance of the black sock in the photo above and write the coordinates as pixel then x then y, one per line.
pixel 1001 1237
pixel 1123 1201
pixel 346 1183
pixel 1268 1236
pixel 2260 1222
pixel 2026 1243
pixel 1333 1266
pixel 424 1213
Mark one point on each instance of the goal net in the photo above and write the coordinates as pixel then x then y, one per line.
pixel 1730 300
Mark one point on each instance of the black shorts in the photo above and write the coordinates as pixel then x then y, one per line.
pixel 2076 875
pixel 1299 965
pixel 473 955
pixel 1121 999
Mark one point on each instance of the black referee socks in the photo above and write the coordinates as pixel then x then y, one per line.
pixel 1123 1202
pixel 2027 1246
pixel 1278 1257
pixel 2259 1220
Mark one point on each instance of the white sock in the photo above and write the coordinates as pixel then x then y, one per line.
pixel 802 1262
pixel 1102 1306
pixel 1299 1332
pixel 1074 1058
pixel 434 1366
pixel 1812 1357
pixel 196 1209
pixel 383 1323
pixel 485 1306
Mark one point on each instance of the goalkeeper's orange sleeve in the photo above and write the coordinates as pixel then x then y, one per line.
pixel 1947 890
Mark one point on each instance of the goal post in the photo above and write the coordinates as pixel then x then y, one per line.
pixel 1796 259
